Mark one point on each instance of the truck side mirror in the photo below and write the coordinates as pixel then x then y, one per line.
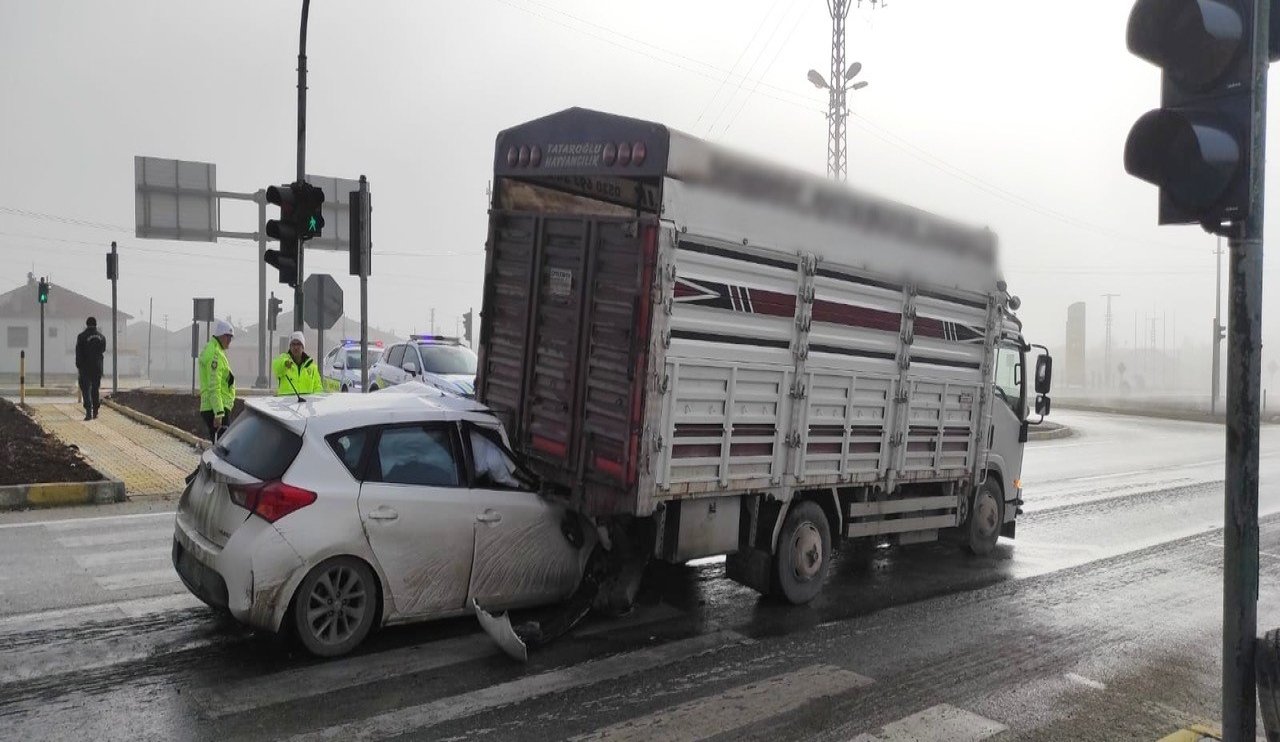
pixel 1042 405
pixel 1044 375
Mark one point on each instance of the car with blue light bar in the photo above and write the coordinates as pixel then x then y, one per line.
pixel 341 367
pixel 444 363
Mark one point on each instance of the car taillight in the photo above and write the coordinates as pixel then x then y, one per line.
pixel 271 501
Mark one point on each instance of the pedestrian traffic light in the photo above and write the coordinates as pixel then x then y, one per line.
pixel 42 291
pixel 284 229
pixel 273 312
pixel 308 219
pixel 1196 147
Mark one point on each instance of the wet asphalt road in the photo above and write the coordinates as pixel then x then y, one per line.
pixel 1101 619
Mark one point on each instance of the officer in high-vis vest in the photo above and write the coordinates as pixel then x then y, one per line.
pixel 217 383
pixel 296 372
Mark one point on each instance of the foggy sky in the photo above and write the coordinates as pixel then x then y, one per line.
pixel 1006 113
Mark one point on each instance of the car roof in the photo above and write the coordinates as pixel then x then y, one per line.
pixel 404 403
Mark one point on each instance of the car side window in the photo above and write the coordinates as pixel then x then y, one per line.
pixel 349 447
pixel 411 356
pixel 419 455
pixel 394 355
pixel 493 468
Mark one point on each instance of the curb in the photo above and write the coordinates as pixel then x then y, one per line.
pixel 40 391
pixel 23 496
pixel 1058 433
pixel 150 421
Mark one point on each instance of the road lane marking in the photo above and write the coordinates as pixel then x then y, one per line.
pixel 126 556
pixel 1082 680
pixel 615 667
pixel 70 524
pixel 942 723
pixel 117 537
pixel 736 707
pixel 138 579
pixel 308 682
pixel 63 618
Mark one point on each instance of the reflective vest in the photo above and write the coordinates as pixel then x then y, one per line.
pixel 217 383
pixel 293 379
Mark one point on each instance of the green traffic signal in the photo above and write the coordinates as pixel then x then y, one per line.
pixel 42 292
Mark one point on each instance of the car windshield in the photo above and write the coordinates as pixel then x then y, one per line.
pixel 448 359
pixel 353 357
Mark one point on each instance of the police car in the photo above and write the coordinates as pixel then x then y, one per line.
pixel 437 361
pixel 341 367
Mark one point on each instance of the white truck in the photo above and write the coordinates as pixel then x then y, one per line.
pixel 711 355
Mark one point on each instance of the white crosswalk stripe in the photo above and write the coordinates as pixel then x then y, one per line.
pixel 737 707
pixel 123 556
pixel 148 578
pixel 941 723
pixel 294 685
pixel 592 672
pixel 111 538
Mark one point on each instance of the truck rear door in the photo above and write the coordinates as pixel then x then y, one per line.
pixel 564 345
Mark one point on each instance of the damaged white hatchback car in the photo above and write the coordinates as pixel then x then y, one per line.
pixel 330 516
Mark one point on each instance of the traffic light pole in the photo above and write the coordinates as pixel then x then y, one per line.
pixel 1244 382
pixel 302 152
pixel 1215 383
pixel 41 345
pixel 263 348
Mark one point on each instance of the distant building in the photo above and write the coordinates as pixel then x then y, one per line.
pixel 1075 374
pixel 64 318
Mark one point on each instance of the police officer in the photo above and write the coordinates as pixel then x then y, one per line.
pixel 217 383
pixel 90 346
pixel 296 372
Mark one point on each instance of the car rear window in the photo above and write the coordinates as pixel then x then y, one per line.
pixel 259 447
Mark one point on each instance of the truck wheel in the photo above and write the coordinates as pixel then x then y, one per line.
pixel 334 607
pixel 803 555
pixel 982 528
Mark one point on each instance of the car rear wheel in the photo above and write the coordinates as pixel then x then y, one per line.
pixel 335 606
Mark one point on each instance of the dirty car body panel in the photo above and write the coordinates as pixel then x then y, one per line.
pixel 389 480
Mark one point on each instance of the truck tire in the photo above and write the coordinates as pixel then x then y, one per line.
pixel 981 529
pixel 803 556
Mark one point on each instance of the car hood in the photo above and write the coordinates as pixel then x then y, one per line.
pixel 463 385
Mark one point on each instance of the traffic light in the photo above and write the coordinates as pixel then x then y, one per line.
pixel 466 326
pixel 1196 147
pixel 273 312
pixel 42 291
pixel 308 219
pixel 284 229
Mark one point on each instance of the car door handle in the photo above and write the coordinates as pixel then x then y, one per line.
pixel 383 514
pixel 489 516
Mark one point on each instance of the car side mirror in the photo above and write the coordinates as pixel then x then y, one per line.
pixel 1044 375
pixel 1042 405
pixel 340 365
pixel 410 367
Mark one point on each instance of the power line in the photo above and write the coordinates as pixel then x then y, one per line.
pixel 804 11
pixel 759 55
pixel 706 107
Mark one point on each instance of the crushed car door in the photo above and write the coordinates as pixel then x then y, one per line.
pixel 529 550
pixel 419 517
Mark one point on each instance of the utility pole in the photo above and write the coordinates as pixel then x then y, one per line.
pixel 302 153
pixel 1215 383
pixel 433 320
pixel 115 313
pixel 1106 375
